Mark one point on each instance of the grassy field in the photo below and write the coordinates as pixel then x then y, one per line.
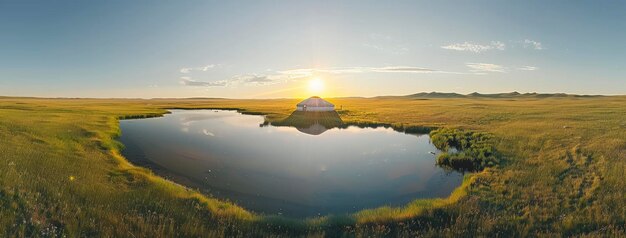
pixel 563 173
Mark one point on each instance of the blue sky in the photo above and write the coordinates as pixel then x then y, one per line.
pixel 270 49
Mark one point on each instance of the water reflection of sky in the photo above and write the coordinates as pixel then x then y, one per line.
pixel 282 170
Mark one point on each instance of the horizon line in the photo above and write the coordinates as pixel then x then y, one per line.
pixel 283 98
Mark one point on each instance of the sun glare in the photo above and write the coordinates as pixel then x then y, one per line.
pixel 316 85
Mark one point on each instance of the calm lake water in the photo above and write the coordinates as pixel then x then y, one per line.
pixel 285 170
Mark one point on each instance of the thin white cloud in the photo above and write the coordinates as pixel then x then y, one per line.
pixel 190 82
pixel 528 68
pixel 246 80
pixel 253 79
pixel 498 45
pixel 207 132
pixel 484 67
pixel 532 44
pixel 202 68
pixel 261 79
pixel 476 48
pixel 290 75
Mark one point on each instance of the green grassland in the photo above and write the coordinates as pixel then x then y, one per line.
pixel 562 172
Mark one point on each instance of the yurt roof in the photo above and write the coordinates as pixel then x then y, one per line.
pixel 315 101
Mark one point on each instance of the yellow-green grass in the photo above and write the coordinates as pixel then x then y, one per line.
pixel 61 171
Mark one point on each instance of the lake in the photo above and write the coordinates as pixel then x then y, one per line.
pixel 296 172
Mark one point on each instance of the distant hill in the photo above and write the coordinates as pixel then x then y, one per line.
pixel 494 95
pixel 436 95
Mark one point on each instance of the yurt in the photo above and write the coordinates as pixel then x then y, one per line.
pixel 315 104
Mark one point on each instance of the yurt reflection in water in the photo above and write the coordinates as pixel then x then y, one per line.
pixel 312 122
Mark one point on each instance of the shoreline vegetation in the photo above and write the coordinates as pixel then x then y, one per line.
pixel 464 150
pixel 66 160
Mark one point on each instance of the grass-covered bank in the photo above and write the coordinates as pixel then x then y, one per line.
pixel 563 176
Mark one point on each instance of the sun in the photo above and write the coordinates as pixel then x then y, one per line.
pixel 316 85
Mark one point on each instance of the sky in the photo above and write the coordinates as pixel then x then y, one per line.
pixel 287 49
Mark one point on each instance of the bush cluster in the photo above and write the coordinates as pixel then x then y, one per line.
pixel 464 150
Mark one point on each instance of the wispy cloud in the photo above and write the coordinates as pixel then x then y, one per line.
pixel 202 68
pixel 253 79
pixel 246 80
pixel 528 68
pixel 190 82
pixel 292 75
pixel 261 79
pixel 532 44
pixel 483 67
pixel 305 73
pixel 207 132
pixel 476 48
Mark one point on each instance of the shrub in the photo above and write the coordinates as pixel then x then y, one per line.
pixel 464 150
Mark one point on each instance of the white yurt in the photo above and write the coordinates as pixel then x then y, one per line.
pixel 315 104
